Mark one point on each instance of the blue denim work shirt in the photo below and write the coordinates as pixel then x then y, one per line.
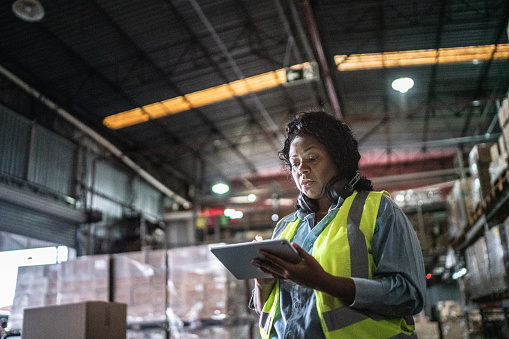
pixel 397 288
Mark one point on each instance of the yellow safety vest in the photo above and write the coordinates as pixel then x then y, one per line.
pixel 344 249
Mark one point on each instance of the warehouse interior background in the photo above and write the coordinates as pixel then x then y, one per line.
pixel 118 118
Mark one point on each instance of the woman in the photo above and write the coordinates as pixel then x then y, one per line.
pixel 361 273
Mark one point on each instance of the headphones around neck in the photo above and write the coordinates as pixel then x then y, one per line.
pixel 335 188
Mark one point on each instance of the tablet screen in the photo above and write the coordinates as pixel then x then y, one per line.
pixel 237 257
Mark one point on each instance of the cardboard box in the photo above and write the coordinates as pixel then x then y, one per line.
pixel 91 319
pixel 427 330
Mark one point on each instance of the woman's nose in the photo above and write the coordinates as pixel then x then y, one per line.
pixel 303 168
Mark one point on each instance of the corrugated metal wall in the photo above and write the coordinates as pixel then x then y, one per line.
pixel 51 161
pixel 114 191
pixel 17 220
pixel 14 143
pixel 35 157
pixel 147 199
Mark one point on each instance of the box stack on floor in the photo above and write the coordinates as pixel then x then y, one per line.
pixel 83 279
pixel 185 291
pixel 453 323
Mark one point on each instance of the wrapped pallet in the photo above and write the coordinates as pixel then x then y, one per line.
pixel 83 279
pixel 503 119
pixel 496 253
pixel 476 257
pixel 479 160
pixel 459 206
pixel 186 290
pixel 140 282
pixel 202 291
pixel 453 322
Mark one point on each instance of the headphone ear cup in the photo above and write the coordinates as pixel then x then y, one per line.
pixel 332 190
pixel 337 187
pixel 307 204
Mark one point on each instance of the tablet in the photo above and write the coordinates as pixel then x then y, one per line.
pixel 237 257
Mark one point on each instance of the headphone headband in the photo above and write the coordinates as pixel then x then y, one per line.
pixel 352 182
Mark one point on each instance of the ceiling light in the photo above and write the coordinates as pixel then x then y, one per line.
pixel 402 84
pixel 220 188
pixel 251 197
pixel 421 57
pixel 28 10
pixel 237 215
pixel 204 97
pixel 233 214
pixel 460 273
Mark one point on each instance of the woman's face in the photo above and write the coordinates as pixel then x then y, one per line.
pixel 312 167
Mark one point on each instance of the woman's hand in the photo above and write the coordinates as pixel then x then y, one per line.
pixel 263 283
pixel 263 287
pixel 307 272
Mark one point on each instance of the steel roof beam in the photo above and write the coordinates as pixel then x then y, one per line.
pixel 502 26
pixel 161 73
pixel 430 110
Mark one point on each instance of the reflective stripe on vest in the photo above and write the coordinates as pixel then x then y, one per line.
pixel 271 306
pixel 354 223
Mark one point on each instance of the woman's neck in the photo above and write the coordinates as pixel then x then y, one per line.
pixel 323 209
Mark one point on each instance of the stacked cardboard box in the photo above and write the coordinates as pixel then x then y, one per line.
pixel 498 160
pixel 187 289
pixel 187 285
pixel 426 329
pixel 496 254
pixel 85 278
pixel 453 322
pixel 139 280
pixel 92 319
pixel 201 288
pixel 31 287
pixel 479 160
pixel 460 206
pixel 503 119
pixel 479 279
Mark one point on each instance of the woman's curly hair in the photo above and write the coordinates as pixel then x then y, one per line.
pixel 335 135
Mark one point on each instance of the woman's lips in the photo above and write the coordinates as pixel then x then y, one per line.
pixel 306 182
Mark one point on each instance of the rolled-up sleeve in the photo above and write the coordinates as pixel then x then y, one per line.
pixel 399 283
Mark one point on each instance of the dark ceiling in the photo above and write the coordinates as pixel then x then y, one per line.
pixel 98 58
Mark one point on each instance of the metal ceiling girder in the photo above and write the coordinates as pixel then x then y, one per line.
pixel 292 40
pixel 96 136
pixel 431 88
pixel 487 65
pixel 385 99
pixel 162 75
pixel 231 144
pixel 322 61
pixel 234 66
pixel 109 83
